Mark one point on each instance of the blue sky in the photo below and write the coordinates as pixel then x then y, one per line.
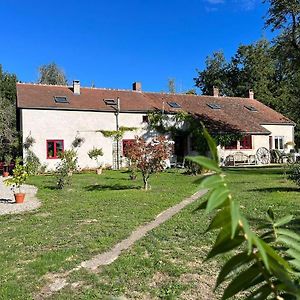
pixel 114 43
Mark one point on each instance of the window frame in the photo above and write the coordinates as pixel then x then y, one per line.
pixel 278 138
pixel 54 141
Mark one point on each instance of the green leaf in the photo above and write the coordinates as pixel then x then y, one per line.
pixel 233 264
pixel 242 281
pixel 235 216
pixel 205 162
pixel 294 253
pixel 260 245
pixel 261 294
pixel 217 198
pixel 283 221
pixel 224 243
pixel 288 233
pixel 211 144
pixel 289 242
pixel 211 181
pixel 295 263
pixel 220 219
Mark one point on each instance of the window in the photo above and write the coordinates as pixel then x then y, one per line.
pixel 174 104
pixel 54 148
pixel 61 99
pixel 145 119
pixel 214 106
pixel 126 145
pixel 110 101
pixel 246 142
pixel 278 140
pixel 251 108
pixel 270 142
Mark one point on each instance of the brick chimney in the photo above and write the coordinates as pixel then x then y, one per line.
pixel 137 86
pixel 251 94
pixel 215 92
pixel 76 87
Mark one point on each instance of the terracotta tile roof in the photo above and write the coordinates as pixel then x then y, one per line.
pixel 232 113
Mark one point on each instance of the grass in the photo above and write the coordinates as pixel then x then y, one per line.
pixel 169 263
pixel 98 211
pixel 74 224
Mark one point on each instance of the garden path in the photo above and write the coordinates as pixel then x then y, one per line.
pixel 59 281
pixel 7 201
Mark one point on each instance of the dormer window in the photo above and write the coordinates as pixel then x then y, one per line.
pixel 61 99
pixel 214 106
pixel 110 101
pixel 250 108
pixel 174 105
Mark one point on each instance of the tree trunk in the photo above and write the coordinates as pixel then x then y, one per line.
pixel 145 180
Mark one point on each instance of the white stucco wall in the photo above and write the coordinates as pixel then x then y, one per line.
pixel 258 141
pixel 45 125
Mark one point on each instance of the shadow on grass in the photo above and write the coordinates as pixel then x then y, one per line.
pixel 111 187
pixel 276 189
pixel 256 171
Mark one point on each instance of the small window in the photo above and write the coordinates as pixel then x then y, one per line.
pixel 126 146
pixel 250 108
pixel 110 101
pixel 145 119
pixel 246 142
pixel 278 141
pixel 214 106
pixel 54 148
pixel 174 104
pixel 232 145
pixel 61 99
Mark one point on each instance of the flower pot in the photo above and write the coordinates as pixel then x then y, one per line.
pixel 5 174
pixel 19 197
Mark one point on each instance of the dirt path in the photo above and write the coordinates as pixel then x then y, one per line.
pixel 59 281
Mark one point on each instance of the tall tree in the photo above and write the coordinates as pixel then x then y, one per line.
pixel 8 133
pixel 52 74
pixel 215 74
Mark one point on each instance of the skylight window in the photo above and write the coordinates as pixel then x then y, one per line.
pixel 110 101
pixel 214 106
pixel 174 104
pixel 61 99
pixel 251 108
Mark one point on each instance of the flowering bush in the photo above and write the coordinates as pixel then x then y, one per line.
pixel 149 157
pixel 19 177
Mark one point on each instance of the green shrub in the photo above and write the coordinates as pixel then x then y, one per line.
pixel 65 168
pixel 294 173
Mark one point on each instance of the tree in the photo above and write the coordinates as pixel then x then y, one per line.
pixel 284 15
pixel 8 132
pixel 52 74
pixel 149 157
pixel 215 74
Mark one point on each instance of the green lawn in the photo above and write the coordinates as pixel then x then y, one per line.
pixel 97 211
pixel 73 225
pixel 169 262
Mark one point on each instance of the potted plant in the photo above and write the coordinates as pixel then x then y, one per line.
pixel 95 154
pixel 7 162
pixel 18 178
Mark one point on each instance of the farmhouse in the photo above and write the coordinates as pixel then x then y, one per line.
pixel 55 115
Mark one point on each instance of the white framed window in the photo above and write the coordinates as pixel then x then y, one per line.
pixel 278 142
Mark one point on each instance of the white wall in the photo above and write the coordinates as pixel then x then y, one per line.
pixel 45 125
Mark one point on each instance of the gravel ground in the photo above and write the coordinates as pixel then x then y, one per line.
pixel 7 201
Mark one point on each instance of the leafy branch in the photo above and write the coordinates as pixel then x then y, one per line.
pixel 256 265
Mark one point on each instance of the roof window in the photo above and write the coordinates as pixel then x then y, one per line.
pixel 251 108
pixel 110 101
pixel 61 99
pixel 214 106
pixel 174 104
